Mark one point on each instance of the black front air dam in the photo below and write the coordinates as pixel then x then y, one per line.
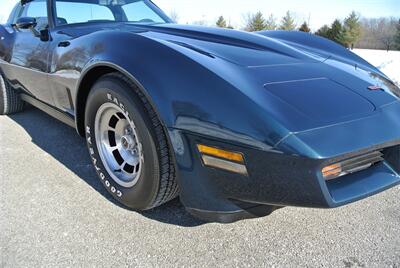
pixel 218 195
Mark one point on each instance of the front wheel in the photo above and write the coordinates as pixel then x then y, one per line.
pixel 10 101
pixel 128 144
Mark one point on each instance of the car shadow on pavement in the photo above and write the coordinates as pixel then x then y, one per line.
pixel 65 145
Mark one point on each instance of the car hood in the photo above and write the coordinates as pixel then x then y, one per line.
pixel 299 87
pixel 323 88
pixel 241 48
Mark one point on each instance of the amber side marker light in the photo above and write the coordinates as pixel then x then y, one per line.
pixel 352 165
pixel 332 171
pixel 223 159
pixel 237 157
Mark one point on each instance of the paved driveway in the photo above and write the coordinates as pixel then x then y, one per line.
pixel 54 212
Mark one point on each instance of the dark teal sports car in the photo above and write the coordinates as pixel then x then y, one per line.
pixel 236 124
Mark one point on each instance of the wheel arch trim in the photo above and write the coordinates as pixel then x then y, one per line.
pixel 80 103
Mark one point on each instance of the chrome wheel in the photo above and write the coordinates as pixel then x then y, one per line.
pixel 118 144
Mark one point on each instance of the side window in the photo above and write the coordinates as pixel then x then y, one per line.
pixel 36 9
pixel 77 12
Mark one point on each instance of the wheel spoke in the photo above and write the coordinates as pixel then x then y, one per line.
pixel 119 146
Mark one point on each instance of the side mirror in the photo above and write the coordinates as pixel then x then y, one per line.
pixel 26 23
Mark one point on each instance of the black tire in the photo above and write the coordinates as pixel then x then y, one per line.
pixel 157 183
pixel 10 101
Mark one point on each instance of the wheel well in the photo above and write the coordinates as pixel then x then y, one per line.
pixel 83 91
pixel 85 86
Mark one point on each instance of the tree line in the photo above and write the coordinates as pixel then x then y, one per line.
pixel 353 31
pixel 379 33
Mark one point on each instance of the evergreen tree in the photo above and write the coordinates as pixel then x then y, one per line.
pixel 304 28
pixel 270 24
pixel 352 29
pixel 287 22
pixel 221 22
pixel 334 33
pixel 337 33
pixel 255 22
pixel 324 31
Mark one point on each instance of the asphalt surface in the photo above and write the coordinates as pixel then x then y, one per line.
pixel 54 212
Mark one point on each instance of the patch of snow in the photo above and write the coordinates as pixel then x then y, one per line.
pixel 387 62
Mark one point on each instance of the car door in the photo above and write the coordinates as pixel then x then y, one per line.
pixel 68 54
pixel 29 59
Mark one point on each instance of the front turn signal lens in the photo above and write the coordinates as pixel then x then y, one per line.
pixel 352 165
pixel 332 171
pixel 222 159
pixel 212 151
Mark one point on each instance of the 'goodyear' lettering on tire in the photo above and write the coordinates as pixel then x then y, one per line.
pixel 102 176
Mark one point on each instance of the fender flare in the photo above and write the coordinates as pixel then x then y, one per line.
pixel 79 102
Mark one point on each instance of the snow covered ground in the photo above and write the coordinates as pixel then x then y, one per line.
pixel 387 62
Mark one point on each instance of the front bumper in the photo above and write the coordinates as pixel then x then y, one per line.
pixel 276 179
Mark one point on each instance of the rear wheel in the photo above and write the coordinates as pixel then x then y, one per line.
pixel 10 101
pixel 128 144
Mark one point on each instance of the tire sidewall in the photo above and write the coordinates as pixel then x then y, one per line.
pixel 141 196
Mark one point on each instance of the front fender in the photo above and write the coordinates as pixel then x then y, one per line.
pixel 190 91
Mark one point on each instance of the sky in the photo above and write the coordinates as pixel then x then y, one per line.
pixel 316 12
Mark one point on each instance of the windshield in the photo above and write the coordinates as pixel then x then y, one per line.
pixel 86 11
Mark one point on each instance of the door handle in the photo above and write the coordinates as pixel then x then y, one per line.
pixel 64 44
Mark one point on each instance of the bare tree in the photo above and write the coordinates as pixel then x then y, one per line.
pixel 387 34
pixel 201 22
pixel 397 35
pixel 174 16
pixel 388 41
pixel 377 33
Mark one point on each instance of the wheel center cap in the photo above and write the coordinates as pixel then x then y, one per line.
pixel 127 142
